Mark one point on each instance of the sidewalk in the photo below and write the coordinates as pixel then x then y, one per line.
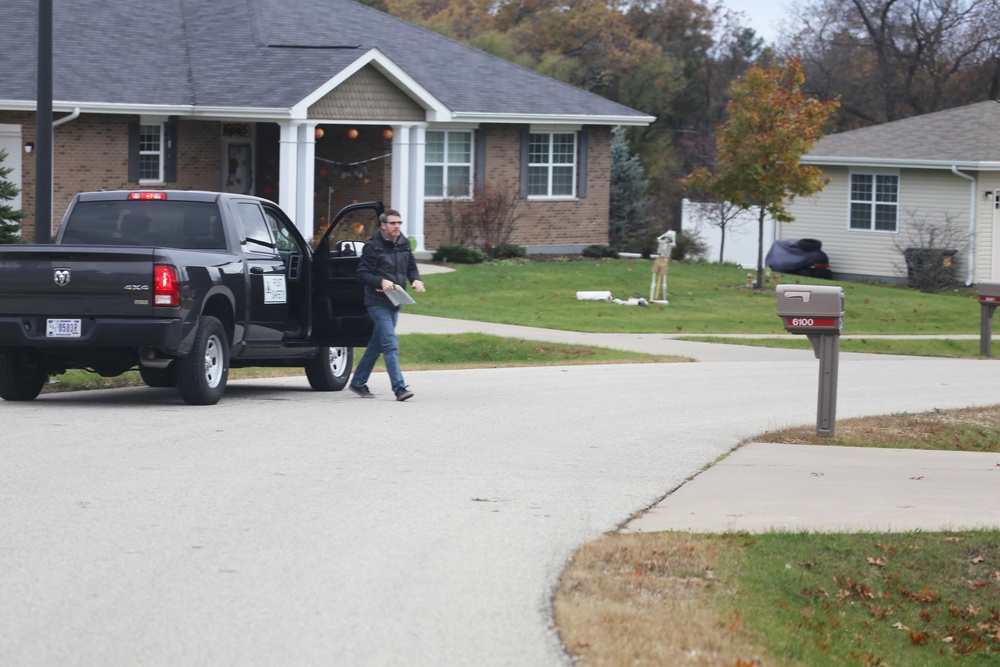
pixel 765 486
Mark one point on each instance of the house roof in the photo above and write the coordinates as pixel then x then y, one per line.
pixel 966 137
pixel 265 57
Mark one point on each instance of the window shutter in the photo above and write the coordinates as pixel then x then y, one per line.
pixel 170 150
pixel 581 173
pixel 133 151
pixel 479 175
pixel 525 138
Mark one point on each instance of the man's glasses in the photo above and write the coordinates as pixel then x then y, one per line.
pixel 393 222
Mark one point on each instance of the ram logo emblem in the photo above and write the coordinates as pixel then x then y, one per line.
pixel 61 276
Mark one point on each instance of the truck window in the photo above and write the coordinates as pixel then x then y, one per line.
pixel 160 224
pixel 255 229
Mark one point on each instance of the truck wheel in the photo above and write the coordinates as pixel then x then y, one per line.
pixel 330 369
pixel 21 375
pixel 159 377
pixel 201 376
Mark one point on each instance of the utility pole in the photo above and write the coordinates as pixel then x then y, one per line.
pixel 43 126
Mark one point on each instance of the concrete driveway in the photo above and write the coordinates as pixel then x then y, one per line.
pixel 287 527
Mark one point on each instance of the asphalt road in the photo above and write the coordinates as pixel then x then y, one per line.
pixel 287 527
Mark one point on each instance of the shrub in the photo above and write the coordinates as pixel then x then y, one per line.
pixel 689 245
pixel 597 251
pixel 931 250
pixel 506 251
pixel 458 254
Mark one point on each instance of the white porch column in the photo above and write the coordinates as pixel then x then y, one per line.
pixel 288 148
pixel 415 221
pixel 306 183
pixel 400 179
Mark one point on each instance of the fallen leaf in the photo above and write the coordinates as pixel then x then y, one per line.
pixel 817 474
pixel 977 560
pixel 918 477
pixel 880 562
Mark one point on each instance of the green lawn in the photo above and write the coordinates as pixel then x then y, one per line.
pixel 704 298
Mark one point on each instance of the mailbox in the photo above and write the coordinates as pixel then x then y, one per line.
pixel 989 292
pixel 811 309
pixel 818 312
pixel 989 299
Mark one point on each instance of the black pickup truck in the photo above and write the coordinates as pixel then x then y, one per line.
pixel 182 285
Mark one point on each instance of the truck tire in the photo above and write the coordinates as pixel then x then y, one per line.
pixel 202 375
pixel 330 369
pixel 159 377
pixel 21 376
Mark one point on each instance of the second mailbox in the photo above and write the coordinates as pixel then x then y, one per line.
pixel 989 293
pixel 811 309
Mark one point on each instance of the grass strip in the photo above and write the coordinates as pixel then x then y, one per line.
pixel 923 347
pixel 418 352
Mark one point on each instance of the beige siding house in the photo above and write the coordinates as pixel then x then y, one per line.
pixel 890 183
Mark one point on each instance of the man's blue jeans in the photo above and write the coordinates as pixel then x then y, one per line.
pixel 383 342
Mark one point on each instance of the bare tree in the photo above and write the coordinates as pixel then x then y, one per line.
pixel 722 214
pixel 488 221
pixel 891 59
pixel 931 249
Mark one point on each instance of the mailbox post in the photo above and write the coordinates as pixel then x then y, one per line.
pixel 989 299
pixel 817 311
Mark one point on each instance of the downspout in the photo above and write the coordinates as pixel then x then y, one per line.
pixel 972 221
pixel 66 119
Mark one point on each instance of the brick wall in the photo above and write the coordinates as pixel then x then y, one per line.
pixel 91 153
pixel 582 221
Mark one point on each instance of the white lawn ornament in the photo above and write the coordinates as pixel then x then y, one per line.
pixel 665 244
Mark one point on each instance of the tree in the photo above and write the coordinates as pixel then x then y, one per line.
pixel 771 125
pixel 892 59
pixel 10 219
pixel 724 215
pixel 629 215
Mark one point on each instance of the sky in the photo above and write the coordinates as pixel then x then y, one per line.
pixel 763 15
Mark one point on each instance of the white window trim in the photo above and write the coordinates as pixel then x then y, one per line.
pixel 161 154
pixel 551 131
pixel 874 173
pixel 472 163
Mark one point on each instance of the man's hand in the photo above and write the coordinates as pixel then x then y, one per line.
pixel 387 285
pixel 418 285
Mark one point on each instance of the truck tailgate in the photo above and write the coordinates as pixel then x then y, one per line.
pixel 60 281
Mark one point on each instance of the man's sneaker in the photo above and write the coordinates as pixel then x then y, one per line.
pixel 361 391
pixel 403 393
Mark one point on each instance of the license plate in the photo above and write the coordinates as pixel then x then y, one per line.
pixel 62 329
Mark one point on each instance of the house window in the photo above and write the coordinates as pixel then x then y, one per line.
pixel 151 152
pixel 448 163
pixel 874 202
pixel 551 164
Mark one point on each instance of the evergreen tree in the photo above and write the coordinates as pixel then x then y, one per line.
pixel 9 218
pixel 629 215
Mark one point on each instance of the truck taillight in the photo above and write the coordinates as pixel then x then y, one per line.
pixel 147 195
pixel 166 288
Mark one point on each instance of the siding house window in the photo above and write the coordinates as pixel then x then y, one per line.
pixel 874 202
pixel 448 164
pixel 552 164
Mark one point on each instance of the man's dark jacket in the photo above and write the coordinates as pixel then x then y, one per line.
pixel 383 259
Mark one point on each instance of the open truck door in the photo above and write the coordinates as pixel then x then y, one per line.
pixel 340 318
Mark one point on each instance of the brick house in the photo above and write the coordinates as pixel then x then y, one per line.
pixel 311 103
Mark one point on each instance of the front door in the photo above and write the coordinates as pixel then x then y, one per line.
pixel 340 318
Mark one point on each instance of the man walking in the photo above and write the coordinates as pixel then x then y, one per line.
pixel 386 264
